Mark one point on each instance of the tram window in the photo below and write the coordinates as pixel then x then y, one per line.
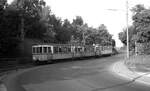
pixel 49 49
pixel 64 49
pixel 79 49
pixel 60 50
pixel 40 49
pixel 72 49
pixel 45 49
pixel 69 49
pixel 34 50
pixel 85 49
pixel 56 50
pixel 76 50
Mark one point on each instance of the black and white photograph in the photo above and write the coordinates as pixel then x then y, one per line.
pixel 74 45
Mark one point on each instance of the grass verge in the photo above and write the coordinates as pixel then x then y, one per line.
pixel 139 63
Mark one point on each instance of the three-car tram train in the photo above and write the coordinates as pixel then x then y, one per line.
pixel 49 52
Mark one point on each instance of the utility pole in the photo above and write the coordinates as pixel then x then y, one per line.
pixel 83 35
pixel 21 2
pixel 22 28
pixel 22 21
pixel 128 55
pixel 127 7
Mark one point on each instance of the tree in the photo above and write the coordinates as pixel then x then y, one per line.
pixel 67 27
pixel 77 29
pixel 45 14
pixel 3 4
pixel 93 37
pixel 123 35
pixel 133 37
pixel 99 36
pixel 30 11
pixel 9 34
pixel 138 8
pixel 141 21
pixel 140 29
pixel 10 23
pixel 105 37
pixel 78 21
pixel 113 43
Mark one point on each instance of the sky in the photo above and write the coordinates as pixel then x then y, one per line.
pixel 97 12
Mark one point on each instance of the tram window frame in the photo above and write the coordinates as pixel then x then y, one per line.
pixel 34 50
pixel 64 49
pixel 85 49
pixel 76 49
pixel 45 50
pixel 40 49
pixel 60 50
pixel 69 49
pixel 49 50
pixel 79 49
pixel 56 50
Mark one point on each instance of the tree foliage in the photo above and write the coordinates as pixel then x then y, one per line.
pixel 78 21
pixel 37 22
pixel 139 31
pixel 10 24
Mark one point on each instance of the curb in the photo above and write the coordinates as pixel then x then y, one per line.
pixel 120 69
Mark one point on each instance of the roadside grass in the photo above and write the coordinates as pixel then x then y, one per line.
pixel 140 62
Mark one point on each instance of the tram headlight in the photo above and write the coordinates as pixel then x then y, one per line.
pixel 34 58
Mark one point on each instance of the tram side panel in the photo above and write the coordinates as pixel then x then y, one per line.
pixel 62 52
pixel 77 51
pixel 97 51
pixel 106 50
pixel 89 51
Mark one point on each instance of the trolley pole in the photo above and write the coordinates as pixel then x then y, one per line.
pixel 128 55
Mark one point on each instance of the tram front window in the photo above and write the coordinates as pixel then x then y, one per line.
pixel 34 50
pixel 39 49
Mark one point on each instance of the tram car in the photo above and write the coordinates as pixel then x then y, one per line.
pixel 49 52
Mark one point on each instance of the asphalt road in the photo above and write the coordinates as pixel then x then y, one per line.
pixel 84 75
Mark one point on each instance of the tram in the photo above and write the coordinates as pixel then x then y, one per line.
pixel 50 52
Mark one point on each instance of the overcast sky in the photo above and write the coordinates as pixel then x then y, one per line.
pixel 95 12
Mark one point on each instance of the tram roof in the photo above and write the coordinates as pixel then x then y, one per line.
pixel 47 44
pixel 52 44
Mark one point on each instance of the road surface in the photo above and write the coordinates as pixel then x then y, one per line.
pixel 84 75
